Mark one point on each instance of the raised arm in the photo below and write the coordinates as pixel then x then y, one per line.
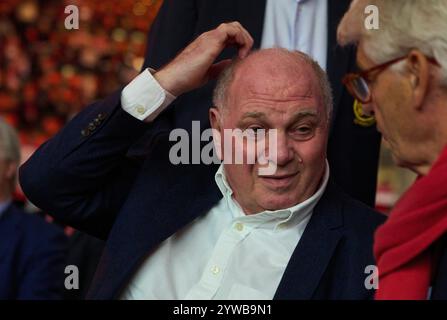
pixel 82 176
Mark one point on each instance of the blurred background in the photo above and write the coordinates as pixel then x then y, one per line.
pixel 48 73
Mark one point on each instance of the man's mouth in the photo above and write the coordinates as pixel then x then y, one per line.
pixel 279 180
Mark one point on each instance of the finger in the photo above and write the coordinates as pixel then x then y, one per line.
pixel 248 40
pixel 234 33
pixel 247 35
pixel 245 49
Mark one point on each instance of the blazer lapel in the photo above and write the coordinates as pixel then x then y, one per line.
pixel 338 58
pixel 250 13
pixel 314 251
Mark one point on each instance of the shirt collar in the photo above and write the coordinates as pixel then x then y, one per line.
pixel 282 218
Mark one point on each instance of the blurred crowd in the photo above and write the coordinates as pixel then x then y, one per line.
pixel 47 73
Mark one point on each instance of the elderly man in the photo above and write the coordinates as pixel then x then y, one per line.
pixel 201 231
pixel 403 83
pixel 32 252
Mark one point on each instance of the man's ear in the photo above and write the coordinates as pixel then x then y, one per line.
pixel 419 74
pixel 11 169
pixel 214 114
pixel 9 174
pixel 215 121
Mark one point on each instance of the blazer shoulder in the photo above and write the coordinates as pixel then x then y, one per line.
pixel 360 216
pixel 354 212
pixel 34 228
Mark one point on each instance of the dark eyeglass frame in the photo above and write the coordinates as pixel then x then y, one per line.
pixel 366 75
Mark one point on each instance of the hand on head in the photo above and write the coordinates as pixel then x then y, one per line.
pixel 194 66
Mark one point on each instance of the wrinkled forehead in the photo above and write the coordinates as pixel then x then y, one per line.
pixel 280 82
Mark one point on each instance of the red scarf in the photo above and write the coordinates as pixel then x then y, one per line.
pixel 404 244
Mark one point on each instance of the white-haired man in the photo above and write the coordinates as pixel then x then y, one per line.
pixel 403 82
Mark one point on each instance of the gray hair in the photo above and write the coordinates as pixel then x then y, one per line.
pixel 226 77
pixel 9 143
pixel 403 25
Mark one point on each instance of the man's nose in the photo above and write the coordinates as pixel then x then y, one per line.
pixel 284 152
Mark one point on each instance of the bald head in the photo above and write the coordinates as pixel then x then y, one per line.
pixel 283 99
pixel 276 69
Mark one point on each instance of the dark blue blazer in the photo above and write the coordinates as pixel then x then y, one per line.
pixel 119 185
pixel 439 284
pixel 32 257
pixel 353 150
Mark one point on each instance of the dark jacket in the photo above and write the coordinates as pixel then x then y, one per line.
pixel 439 286
pixel 32 257
pixel 125 190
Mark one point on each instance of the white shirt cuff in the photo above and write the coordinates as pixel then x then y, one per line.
pixel 144 98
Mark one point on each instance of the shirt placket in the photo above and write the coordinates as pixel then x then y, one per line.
pixel 212 277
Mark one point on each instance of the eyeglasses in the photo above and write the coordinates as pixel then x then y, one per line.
pixel 357 83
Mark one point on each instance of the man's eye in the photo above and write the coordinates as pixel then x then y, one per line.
pixel 255 132
pixel 257 129
pixel 303 132
pixel 304 129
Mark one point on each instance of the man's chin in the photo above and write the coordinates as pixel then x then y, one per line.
pixel 278 203
pixel 415 167
pixel 398 161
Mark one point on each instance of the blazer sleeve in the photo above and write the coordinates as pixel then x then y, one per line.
pixel 82 175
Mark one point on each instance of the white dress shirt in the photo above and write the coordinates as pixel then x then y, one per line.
pixel 223 254
pixel 297 25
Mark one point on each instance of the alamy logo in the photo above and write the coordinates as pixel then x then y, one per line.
pixel 372 280
pixel 72 20
pixel 372 20
pixel 72 280
pixel 239 147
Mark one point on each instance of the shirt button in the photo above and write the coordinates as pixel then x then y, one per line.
pixel 215 270
pixel 239 226
pixel 282 226
pixel 141 109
